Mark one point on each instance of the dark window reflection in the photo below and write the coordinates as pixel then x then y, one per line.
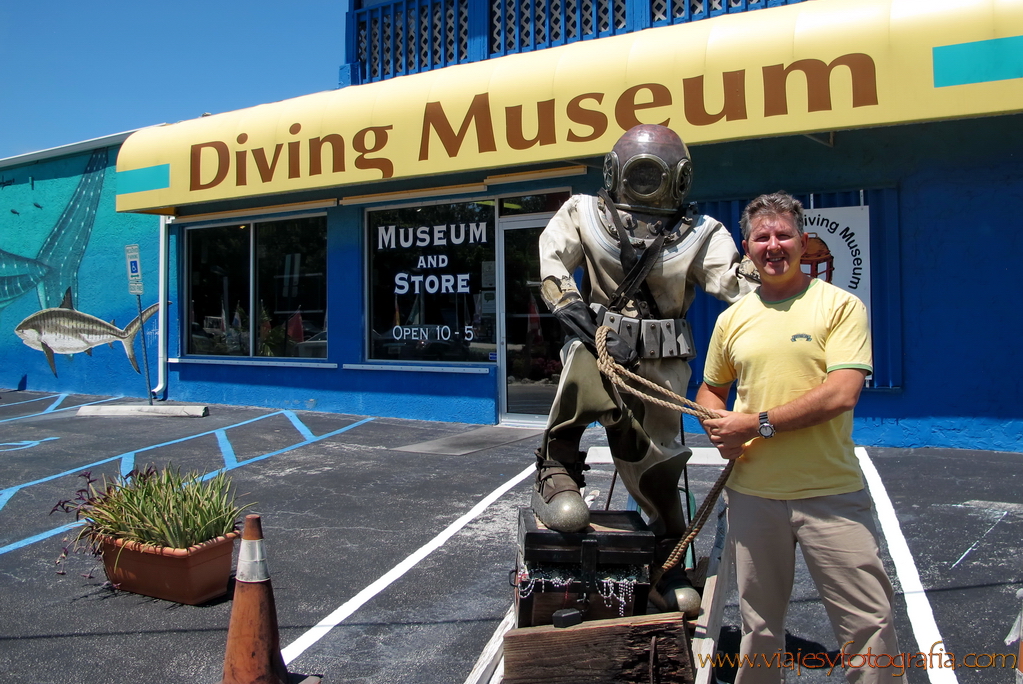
pixel 284 315
pixel 291 288
pixel 534 336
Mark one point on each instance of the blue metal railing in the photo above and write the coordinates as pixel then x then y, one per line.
pixel 668 12
pixel 409 36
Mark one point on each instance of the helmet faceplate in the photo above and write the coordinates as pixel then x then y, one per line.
pixel 648 170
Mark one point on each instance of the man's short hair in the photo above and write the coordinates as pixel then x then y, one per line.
pixel 774 204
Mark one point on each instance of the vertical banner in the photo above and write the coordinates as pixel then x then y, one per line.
pixel 839 248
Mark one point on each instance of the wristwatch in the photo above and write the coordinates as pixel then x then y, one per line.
pixel 766 430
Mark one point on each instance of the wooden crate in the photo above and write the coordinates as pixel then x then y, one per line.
pixel 638 649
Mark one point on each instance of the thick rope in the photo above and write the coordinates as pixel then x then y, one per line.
pixel 619 375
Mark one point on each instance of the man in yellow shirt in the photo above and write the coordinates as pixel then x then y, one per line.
pixel 799 350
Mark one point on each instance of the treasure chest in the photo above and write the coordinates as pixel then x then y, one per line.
pixel 602 572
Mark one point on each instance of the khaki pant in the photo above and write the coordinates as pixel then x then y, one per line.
pixel 839 543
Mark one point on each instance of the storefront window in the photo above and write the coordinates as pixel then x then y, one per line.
pixel 433 283
pixel 258 289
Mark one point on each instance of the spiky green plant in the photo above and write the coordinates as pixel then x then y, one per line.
pixel 158 507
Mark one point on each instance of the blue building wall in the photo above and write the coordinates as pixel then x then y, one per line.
pixel 59 230
pixel 952 187
pixel 421 396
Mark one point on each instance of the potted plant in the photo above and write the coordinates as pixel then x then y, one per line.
pixel 160 533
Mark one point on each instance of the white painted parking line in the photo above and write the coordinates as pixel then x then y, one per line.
pixel 489 667
pixel 979 540
pixel 707 456
pixel 342 612
pixel 921 617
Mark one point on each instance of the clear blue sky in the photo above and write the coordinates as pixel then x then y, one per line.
pixel 71 71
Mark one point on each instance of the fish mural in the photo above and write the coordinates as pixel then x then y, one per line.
pixel 64 330
pixel 18 275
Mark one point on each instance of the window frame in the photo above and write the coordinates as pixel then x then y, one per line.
pixel 188 229
pixel 367 342
pixel 409 364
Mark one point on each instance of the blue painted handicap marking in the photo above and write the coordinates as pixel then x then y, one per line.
pixel 128 459
pixel 27 444
pixel 982 61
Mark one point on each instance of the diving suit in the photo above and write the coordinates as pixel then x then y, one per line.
pixel 642 250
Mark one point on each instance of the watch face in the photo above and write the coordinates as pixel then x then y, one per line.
pixel 766 431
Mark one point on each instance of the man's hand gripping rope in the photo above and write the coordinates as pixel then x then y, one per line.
pixel 619 375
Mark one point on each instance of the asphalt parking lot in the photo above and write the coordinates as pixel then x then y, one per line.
pixel 396 537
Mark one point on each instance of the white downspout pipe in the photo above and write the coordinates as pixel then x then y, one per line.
pixel 161 376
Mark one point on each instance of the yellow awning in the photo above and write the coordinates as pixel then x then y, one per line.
pixel 817 66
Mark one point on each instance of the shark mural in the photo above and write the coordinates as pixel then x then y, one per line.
pixel 63 330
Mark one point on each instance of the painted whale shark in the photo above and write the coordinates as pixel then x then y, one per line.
pixel 18 275
pixel 64 330
pixel 56 265
pixel 65 246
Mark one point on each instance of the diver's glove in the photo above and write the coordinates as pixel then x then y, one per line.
pixel 579 320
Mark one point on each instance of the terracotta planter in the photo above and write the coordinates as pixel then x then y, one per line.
pixel 193 575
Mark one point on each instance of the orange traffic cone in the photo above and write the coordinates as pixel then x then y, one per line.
pixel 253 654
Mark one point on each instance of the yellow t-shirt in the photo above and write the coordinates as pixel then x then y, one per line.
pixel 778 351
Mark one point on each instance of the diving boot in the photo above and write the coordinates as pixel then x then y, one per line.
pixel 653 483
pixel 556 498
pixel 674 586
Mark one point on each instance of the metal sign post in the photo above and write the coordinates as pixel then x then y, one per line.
pixel 134 264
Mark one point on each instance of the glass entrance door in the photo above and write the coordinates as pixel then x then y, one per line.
pixel 531 338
